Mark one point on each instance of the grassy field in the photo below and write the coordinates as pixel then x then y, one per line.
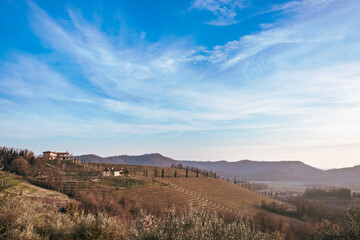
pixel 20 187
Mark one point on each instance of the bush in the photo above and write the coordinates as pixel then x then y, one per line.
pixel 306 209
pixel 341 193
pixel 22 219
pixel 19 166
pixel 348 229
pixel 196 223
pixel 8 155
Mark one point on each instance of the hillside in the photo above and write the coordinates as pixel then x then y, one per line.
pixel 277 171
pixel 240 200
pixel 17 186
pixel 26 213
pixel 126 196
pixel 144 188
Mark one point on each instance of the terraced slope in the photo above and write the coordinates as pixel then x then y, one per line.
pixel 160 197
pixel 231 196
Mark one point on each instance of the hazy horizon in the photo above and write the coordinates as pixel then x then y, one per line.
pixel 196 80
pixel 191 159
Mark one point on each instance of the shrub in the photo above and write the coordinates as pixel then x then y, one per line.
pixel 195 223
pixel 22 219
pixel 348 229
pixel 19 166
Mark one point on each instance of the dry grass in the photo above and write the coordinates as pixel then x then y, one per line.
pixel 243 200
pixel 26 190
pixel 159 198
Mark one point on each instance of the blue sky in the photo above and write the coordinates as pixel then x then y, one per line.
pixel 199 80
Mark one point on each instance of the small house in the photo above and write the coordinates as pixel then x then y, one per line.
pixel 50 155
pixel 112 172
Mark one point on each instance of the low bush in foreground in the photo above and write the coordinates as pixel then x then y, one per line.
pixel 348 229
pixel 24 219
pixel 196 223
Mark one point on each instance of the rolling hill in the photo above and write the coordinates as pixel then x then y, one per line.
pixel 277 171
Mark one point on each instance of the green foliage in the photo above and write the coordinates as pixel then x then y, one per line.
pixel 196 223
pixel 6 181
pixel 123 182
pixel 8 155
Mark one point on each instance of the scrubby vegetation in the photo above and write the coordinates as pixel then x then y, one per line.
pixel 24 219
pixel 139 207
pixel 347 229
pixel 195 223
pixel 314 211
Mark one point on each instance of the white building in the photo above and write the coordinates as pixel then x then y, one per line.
pixel 111 172
pixel 50 155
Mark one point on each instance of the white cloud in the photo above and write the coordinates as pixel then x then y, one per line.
pixel 224 10
pixel 310 6
pixel 25 76
pixel 297 78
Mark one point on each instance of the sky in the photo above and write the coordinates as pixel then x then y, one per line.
pixel 193 80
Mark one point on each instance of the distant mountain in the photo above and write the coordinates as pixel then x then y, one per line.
pixel 284 171
pixel 91 158
pixel 347 176
pixel 261 170
pixel 153 159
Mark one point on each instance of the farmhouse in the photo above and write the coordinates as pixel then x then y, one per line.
pixel 50 155
pixel 112 172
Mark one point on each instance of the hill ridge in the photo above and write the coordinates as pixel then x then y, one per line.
pixel 289 171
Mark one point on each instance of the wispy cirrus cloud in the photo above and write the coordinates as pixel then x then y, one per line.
pixel 26 76
pixel 225 11
pixel 310 6
pixel 295 80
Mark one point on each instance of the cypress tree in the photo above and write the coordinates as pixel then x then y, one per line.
pixel 175 174
pixel 162 173
pixel 187 171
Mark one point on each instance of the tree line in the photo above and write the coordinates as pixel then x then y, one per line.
pixel 341 193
